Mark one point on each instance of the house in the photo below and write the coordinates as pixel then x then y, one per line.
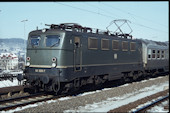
pixel 8 61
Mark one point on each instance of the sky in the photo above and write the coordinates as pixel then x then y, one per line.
pixel 148 20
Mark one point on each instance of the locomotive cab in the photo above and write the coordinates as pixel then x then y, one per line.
pixel 40 49
pixel 44 50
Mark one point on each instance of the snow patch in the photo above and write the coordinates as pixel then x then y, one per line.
pixel 115 102
pixel 159 108
pixel 8 83
pixel 64 98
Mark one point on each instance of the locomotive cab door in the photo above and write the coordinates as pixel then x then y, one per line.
pixel 77 54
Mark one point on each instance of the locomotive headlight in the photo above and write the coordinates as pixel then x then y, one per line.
pixel 28 63
pixel 54 62
pixel 44 30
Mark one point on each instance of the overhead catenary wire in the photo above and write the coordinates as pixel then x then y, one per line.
pixel 108 16
pixel 104 10
pixel 152 21
pixel 132 21
pixel 86 10
pixel 149 27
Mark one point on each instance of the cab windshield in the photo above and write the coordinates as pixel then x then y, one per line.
pixel 52 40
pixel 34 40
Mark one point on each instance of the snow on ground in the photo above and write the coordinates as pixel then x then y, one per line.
pixel 8 83
pixel 159 108
pixel 108 104
pixel 115 102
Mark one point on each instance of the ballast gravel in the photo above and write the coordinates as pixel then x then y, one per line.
pixel 74 102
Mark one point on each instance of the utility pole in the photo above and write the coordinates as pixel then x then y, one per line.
pixel 24 26
pixel 24 36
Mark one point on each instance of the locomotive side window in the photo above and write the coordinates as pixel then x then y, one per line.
pixel 115 44
pixel 149 53
pixel 158 54
pixel 163 54
pixel 92 43
pixel 52 40
pixel 105 44
pixel 124 46
pixel 153 54
pixel 132 46
pixel 34 40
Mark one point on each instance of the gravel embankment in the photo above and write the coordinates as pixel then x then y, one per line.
pixel 75 102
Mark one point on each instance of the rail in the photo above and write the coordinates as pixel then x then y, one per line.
pixel 23 100
pixel 151 104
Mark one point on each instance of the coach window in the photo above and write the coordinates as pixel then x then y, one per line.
pixel 149 54
pixel 115 44
pixel 158 54
pixel 105 44
pixel 163 54
pixel 153 54
pixel 124 46
pixel 132 46
pixel 92 43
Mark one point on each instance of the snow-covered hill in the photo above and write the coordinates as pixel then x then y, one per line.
pixel 12 44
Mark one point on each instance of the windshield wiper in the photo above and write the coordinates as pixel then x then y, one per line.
pixel 33 46
pixel 54 44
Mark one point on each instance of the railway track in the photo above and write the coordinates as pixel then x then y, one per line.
pixel 133 106
pixel 24 100
pixel 148 106
pixel 6 90
pixel 11 103
pixel 11 97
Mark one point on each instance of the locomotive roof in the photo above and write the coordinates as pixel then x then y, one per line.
pixel 78 28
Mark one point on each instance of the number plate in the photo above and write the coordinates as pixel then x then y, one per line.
pixel 40 70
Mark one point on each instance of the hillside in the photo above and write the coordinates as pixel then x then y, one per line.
pixel 12 44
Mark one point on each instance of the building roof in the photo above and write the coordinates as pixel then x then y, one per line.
pixel 8 55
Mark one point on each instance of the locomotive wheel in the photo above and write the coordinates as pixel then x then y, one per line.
pixel 56 87
pixel 154 74
pixel 37 89
pixel 126 79
pixel 77 83
pixel 97 81
pixel 135 77
pixel 66 88
pixel 83 82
